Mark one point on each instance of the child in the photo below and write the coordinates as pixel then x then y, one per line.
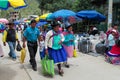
pixel 41 46
pixel 111 38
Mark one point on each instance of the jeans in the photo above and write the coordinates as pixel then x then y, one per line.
pixel 12 49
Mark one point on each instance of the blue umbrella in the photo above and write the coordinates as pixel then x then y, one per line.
pixel 41 23
pixel 63 14
pixel 91 15
pixel 16 22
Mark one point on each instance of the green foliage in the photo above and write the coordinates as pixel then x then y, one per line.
pixel 82 5
pixel 54 5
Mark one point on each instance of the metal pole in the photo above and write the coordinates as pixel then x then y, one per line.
pixel 110 6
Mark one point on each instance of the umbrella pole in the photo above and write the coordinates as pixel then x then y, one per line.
pixel 87 28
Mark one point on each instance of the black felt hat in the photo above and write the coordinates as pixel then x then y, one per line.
pixel 54 24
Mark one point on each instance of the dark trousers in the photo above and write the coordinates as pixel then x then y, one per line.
pixel 32 48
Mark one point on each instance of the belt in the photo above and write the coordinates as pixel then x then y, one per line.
pixel 32 42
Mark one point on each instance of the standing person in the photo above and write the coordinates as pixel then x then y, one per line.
pixel 10 36
pixel 69 42
pixel 53 46
pixel 111 38
pixel 41 47
pixel 31 34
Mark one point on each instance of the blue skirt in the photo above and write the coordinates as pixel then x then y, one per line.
pixel 58 56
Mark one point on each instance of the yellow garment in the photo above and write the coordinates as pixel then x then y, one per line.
pixel 74 53
pixel 17 3
pixel 23 55
pixel 5 36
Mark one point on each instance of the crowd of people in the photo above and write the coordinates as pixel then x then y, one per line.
pixel 58 44
pixel 55 43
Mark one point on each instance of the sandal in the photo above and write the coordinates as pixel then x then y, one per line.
pixel 61 72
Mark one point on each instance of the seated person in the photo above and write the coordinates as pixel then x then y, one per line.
pixel 113 56
pixel 93 31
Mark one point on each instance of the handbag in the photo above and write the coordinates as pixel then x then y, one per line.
pixel 47 66
pixel 23 55
pixel 74 53
pixel 18 47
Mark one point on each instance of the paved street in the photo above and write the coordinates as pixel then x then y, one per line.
pixel 83 67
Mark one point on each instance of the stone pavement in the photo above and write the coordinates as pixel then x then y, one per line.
pixel 83 67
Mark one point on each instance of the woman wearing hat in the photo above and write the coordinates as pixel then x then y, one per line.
pixel 53 46
pixel 69 40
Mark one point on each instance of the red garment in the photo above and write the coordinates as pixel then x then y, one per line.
pixel 115 50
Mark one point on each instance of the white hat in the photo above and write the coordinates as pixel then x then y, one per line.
pixel 67 24
pixel 94 28
pixel 114 31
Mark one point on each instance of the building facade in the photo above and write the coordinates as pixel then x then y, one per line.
pixel 14 16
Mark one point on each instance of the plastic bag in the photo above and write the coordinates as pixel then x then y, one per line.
pixel 18 47
pixel 47 66
pixel 74 53
pixel 1 51
pixel 23 55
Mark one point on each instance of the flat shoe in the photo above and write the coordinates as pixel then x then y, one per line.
pixel 67 66
pixel 61 72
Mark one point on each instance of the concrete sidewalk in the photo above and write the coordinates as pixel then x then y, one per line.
pixel 83 67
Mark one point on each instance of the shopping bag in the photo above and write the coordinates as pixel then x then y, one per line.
pixel 18 47
pixel 47 66
pixel 74 53
pixel 1 51
pixel 23 55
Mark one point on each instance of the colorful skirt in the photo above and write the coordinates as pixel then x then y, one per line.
pixel 113 58
pixel 58 56
pixel 69 50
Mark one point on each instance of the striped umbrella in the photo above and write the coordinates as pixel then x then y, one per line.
pixel 16 4
pixel 44 17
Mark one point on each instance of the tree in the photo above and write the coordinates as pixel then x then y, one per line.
pixel 43 4
pixel 53 5
pixel 98 2
pixel 82 5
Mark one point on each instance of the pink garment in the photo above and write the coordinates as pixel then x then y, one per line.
pixel 69 50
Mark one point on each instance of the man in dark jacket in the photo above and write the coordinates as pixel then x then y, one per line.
pixel 10 36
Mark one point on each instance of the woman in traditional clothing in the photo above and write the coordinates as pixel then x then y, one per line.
pixel 113 56
pixel 69 40
pixel 53 46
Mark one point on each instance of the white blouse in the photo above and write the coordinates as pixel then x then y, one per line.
pixel 49 39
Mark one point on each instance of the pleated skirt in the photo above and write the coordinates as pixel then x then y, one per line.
pixel 58 56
